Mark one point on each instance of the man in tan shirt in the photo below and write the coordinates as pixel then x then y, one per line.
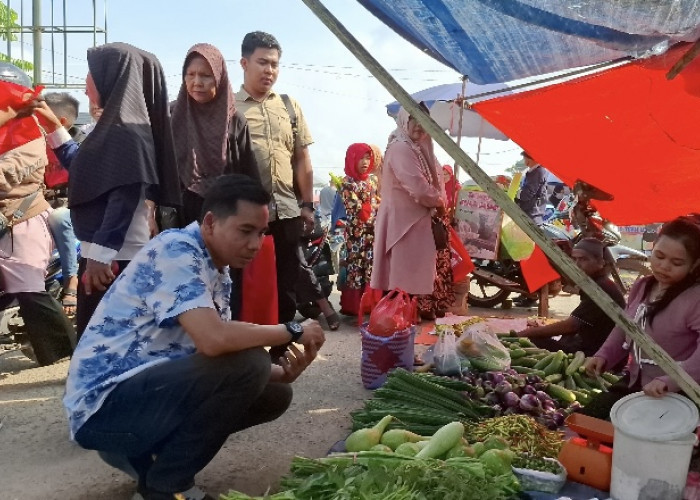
pixel 280 164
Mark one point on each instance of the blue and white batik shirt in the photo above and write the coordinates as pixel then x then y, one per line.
pixel 135 325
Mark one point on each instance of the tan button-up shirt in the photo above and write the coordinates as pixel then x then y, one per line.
pixel 273 144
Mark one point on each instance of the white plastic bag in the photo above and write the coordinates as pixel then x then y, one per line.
pixel 445 357
pixel 481 346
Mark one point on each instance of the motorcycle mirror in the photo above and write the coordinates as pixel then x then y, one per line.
pixel 585 190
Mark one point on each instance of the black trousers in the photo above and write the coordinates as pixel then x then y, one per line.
pixel 182 412
pixel 50 332
pixel 287 235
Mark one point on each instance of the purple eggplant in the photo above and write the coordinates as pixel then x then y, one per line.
pixel 533 379
pixel 511 400
pixel 492 398
pixel 549 405
pixel 528 389
pixel 530 403
pixel 503 388
pixel 498 378
pixel 542 396
pixel 558 418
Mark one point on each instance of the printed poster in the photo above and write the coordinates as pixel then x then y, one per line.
pixel 478 223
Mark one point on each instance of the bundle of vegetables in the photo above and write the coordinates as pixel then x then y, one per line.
pixel 565 372
pixel 509 392
pixel 522 432
pixel 421 403
pixel 391 475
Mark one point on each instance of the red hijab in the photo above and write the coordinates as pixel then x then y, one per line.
pixel 353 155
pixel 452 186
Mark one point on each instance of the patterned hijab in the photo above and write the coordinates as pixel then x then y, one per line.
pixel 452 186
pixel 132 143
pixel 353 155
pixel 201 130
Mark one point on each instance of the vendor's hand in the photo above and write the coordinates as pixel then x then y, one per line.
pixel 523 333
pixel 313 334
pixel 21 111
pixel 594 365
pixel 294 362
pixel 47 119
pixel 656 388
pixel 440 211
pixel 97 276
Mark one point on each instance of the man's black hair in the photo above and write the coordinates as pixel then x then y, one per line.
pixel 222 198
pixel 62 104
pixel 259 40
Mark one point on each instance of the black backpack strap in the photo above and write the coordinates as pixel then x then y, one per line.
pixel 292 118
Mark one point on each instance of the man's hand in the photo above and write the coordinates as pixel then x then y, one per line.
pixel 294 362
pixel 47 119
pixel 97 276
pixel 594 366
pixel 152 224
pixel 656 388
pixel 313 334
pixel 307 217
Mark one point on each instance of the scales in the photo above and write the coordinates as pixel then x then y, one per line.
pixel 586 458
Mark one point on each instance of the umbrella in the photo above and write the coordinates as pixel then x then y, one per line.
pixel 443 109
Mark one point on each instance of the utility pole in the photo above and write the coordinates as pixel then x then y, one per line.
pixel 36 39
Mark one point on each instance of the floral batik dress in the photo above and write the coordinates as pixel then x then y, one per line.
pixel 361 201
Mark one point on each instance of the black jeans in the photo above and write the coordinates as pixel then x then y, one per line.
pixel 287 235
pixel 181 412
pixel 50 332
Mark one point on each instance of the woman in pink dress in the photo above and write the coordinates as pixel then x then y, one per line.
pixel 412 192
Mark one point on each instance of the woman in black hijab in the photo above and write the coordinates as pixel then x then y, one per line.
pixel 124 168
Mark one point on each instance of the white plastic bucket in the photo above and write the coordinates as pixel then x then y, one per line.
pixel 653 444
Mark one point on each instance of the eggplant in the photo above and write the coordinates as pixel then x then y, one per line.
pixel 558 418
pixel 533 379
pixel 542 396
pixel 503 388
pixel 492 399
pixel 498 378
pixel 528 389
pixel 511 400
pixel 530 403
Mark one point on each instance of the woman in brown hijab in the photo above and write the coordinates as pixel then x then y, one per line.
pixel 211 138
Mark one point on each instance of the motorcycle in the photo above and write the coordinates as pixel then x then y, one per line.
pixel 492 282
pixel 12 332
pixel 317 248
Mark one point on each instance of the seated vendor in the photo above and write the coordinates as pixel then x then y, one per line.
pixel 588 326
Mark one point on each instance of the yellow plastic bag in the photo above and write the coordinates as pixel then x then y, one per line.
pixel 514 240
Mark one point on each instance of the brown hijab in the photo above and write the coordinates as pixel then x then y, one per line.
pixel 201 130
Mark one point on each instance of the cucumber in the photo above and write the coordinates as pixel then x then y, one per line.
pixel 526 342
pixel 528 371
pixel 576 363
pixel 517 353
pixel 526 361
pixel 582 384
pixel 582 397
pixel 570 383
pixel 554 378
pixel 610 378
pixel 555 365
pixel 535 351
pixel 509 339
pixel 542 363
pixel 560 393
pixel 564 365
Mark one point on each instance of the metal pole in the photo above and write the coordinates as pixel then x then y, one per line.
pixel 8 33
pixel 602 299
pixel 36 39
pixel 461 120
pixel 65 45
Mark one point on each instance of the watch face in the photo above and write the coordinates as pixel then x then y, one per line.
pixel 296 327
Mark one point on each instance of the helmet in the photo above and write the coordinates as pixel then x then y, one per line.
pixel 11 73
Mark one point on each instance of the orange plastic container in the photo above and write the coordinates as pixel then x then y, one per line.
pixel 586 459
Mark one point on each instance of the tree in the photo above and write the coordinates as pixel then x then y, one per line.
pixel 8 23
pixel 518 166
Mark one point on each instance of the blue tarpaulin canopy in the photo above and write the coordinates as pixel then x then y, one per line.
pixel 502 40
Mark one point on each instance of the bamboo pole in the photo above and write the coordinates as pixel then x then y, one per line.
pixel 653 350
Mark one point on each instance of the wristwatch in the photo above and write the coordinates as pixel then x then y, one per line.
pixel 295 330
pixel 307 204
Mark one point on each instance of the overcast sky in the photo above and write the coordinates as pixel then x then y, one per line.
pixel 342 102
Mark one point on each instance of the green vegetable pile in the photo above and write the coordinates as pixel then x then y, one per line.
pixel 522 432
pixel 536 463
pixel 383 476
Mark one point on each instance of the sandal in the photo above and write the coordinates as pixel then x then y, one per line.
pixel 69 301
pixel 333 321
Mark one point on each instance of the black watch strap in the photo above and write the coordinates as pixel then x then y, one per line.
pixel 307 204
pixel 295 330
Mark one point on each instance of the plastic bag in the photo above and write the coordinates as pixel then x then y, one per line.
pixel 461 262
pixel 480 345
pixel 395 312
pixel 514 240
pixel 445 357
pixel 536 480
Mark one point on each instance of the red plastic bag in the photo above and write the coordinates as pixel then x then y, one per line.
pixel 462 263
pixel 370 299
pixel 55 174
pixel 259 287
pixel 395 312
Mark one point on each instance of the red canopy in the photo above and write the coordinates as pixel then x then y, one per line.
pixel 628 131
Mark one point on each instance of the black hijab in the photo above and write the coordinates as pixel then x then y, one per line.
pixel 132 141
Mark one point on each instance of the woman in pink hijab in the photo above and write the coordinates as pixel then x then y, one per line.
pixel 360 197
pixel 405 256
